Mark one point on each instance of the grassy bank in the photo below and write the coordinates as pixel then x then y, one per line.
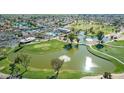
pixel 119 66
pixel 117 52
pixel 117 43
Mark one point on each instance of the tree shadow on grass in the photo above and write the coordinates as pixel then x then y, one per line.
pixel 99 46
pixel 2 58
pixel 17 49
pixel 55 76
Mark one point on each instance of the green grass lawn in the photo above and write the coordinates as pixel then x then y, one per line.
pixel 117 43
pixel 4 49
pixel 113 51
pixel 43 47
pixel 36 51
pixel 82 25
pixel 45 74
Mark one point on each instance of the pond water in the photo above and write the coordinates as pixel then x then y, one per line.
pixel 80 60
pixel 83 38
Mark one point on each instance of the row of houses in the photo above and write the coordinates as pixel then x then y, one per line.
pixel 48 35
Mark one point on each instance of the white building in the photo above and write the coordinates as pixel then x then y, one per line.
pixel 27 40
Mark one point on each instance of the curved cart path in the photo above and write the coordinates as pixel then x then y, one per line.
pixel 108 55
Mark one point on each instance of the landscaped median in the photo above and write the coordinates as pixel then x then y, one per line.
pixel 118 63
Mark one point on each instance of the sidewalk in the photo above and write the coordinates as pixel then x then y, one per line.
pixel 114 76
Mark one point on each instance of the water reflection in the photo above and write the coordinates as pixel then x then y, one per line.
pixel 89 64
pixel 65 58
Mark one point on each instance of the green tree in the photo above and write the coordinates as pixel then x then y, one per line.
pixel 19 66
pixel 56 65
pixel 72 29
pixel 78 40
pixel 91 29
pixel 107 75
pixel 100 36
pixel 71 37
